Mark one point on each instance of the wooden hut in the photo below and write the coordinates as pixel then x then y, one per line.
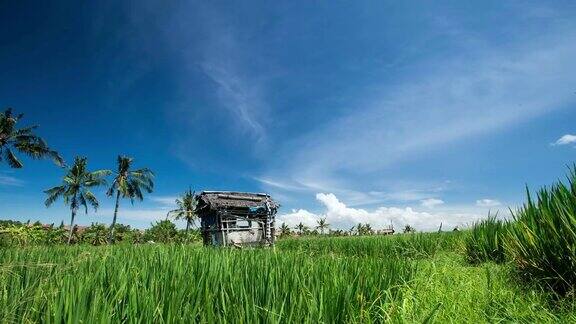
pixel 236 218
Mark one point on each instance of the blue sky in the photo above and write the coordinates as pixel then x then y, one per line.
pixel 382 111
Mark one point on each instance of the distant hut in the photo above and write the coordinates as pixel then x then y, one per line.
pixel 236 218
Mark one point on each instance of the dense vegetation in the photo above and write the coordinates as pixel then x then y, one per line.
pixel 540 240
pixel 14 234
pixel 362 279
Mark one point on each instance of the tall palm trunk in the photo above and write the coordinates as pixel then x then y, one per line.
pixel 111 237
pixel 71 225
pixel 187 229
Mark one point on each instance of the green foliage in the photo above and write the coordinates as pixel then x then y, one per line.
pixel 409 229
pixel 486 241
pixel 177 283
pixel 129 184
pixel 96 234
pixel 75 189
pixel 18 234
pixel 186 209
pixel 284 230
pixel 414 246
pixel 322 225
pixel 22 140
pixel 543 240
pixel 163 231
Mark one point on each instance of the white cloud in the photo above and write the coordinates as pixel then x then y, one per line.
pixel 341 216
pixel 488 203
pixel 164 200
pixel 6 180
pixel 565 140
pixel 431 202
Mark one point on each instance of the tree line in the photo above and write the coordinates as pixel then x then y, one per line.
pixel 78 183
pixel 15 233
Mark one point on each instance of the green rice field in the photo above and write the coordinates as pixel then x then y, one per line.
pixel 401 278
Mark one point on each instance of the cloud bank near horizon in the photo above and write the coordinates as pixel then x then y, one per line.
pixel 341 216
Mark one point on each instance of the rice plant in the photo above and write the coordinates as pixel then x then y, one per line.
pixel 485 241
pixel 543 240
pixel 417 245
pixel 164 283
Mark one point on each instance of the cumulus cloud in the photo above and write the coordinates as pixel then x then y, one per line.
pixel 487 203
pixel 431 202
pixel 565 140
pixel 339 215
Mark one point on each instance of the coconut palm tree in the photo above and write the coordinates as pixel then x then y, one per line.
pixel 301 228
pixel 75 189
pixel 128 183
pixel 322 225
pixel 22 140
pixel 186 206
pixel 284 230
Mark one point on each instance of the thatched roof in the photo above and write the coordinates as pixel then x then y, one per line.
pixel 229 199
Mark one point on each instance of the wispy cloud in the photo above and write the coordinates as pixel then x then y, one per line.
pixel 565 140
pixel 488 203
pixel 481 92
pixel 239 89
pixel 6 180
pixel 240 96
pixel 164 200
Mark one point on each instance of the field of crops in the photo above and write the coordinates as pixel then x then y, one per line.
pixel 414 278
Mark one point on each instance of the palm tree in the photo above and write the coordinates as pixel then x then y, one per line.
pixel 128 184
pixel 75 189
pixel 284 230
pixel 301 228
pixel 22 140
pixel 186 206
pixel 322 225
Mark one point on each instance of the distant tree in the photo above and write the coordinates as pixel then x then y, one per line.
pixel 368 229
pixel 75 189
pixel 95 234
pixel 128 183
pixel 301 228
pixel 186 206
pixel 22 140
pixel 409 229
pixel 163 231
pixel 322 225
pixel 359 229
pixel 284 230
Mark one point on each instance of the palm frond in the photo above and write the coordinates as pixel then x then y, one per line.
pixel 91 198
pixel 12 160
pixel 53 194
pixel 82 202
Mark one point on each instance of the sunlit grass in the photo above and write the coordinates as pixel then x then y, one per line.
pixel 486 241
pixel 178 283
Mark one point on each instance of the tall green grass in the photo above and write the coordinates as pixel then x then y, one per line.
pixel 543 241
pixel 418 245
pixel 163 284
pixel 486 239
